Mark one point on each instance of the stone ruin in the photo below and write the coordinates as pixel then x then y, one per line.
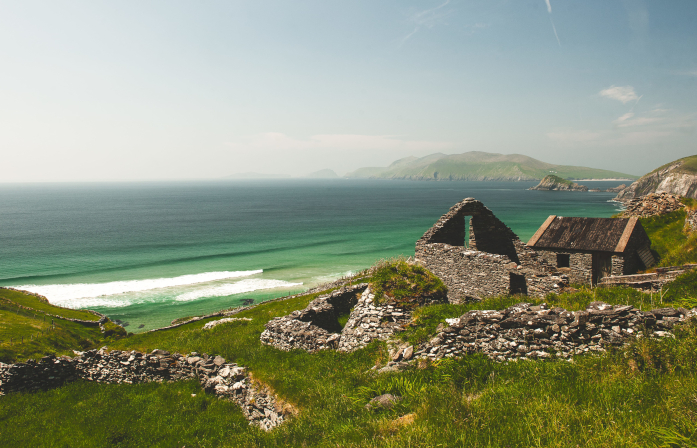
pixel 226 380
pixel 652 204
pixel 537 332
pixel 317 326
pixel 495 262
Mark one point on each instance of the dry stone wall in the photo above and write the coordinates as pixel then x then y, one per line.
pixel 226 380
pixel 524 331
pixel 370 321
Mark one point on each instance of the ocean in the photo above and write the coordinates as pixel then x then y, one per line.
pixel 147 253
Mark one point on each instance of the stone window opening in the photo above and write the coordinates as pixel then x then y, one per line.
pixel 563 260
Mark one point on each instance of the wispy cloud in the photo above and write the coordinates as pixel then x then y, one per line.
pixel 554 28
pixel 631 129
pixel 427 18
pixel 624 94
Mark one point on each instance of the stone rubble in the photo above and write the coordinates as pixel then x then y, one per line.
pixel 226 380
pixel 317 328
pixel 652 204
pixel 524 331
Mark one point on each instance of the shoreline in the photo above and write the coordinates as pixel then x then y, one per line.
pixel 602 180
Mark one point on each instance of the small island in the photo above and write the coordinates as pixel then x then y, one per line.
pixel 556 183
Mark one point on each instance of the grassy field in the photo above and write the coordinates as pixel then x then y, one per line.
pixel 29 330
pixel 642 395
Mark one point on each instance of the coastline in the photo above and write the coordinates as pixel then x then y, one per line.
pixel 602 180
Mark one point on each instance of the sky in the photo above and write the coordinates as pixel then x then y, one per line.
pixel 165 90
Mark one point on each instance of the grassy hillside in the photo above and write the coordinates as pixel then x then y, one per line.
pixel 669 239
pixel 639 396
pixel 689 165
pixel 26 329
pixel 476 165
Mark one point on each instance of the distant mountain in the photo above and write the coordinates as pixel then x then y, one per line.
pixel 251 175
pixel 323 174
pixel 476 165
pixel 677 177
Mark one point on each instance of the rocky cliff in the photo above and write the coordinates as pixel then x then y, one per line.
pixel 556 183
pixel 678 177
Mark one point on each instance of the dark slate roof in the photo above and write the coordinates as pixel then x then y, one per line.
pixel 584 234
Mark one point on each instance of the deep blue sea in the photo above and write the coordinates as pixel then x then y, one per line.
pixel 146 253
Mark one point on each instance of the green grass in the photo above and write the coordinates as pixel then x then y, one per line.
pixel 28 334
pixel 642 395
pixel 39 305
pixel 669 240
pixel 405 284
pixel 558 180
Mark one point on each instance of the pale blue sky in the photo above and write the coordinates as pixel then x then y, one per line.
pixel 136 90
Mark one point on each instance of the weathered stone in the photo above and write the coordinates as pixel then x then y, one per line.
pixel 526 332
pixel 385 401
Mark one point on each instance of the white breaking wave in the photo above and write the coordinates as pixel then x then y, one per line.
pixel 67 294
pixel 229 289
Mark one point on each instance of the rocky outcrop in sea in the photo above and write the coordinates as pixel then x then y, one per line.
pixel 556 183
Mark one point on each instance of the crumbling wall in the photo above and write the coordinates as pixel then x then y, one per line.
pixel 226 380
pixel 370 321
pixel 531 332
pixel 317 326
pixel 367 321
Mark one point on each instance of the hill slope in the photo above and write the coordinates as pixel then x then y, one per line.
pixel 476 165
pixel 677 177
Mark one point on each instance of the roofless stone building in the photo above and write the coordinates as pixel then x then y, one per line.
pixel 490 259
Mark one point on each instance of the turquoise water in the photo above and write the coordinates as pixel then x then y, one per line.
pixel 148 253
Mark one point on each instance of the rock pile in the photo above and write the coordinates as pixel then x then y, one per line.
pixel 652 204
pixel 317 327
pixel 691 221
pixel 226 380
pixel 524 331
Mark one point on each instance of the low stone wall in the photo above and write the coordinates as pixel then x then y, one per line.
pixel 530 332
pixel 226 380
pixel 650 282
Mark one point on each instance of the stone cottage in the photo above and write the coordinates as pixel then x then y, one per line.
pixel 593 248
pixel 489 258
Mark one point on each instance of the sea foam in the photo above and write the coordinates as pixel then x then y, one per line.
pixel 229 289
pixel 67 294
